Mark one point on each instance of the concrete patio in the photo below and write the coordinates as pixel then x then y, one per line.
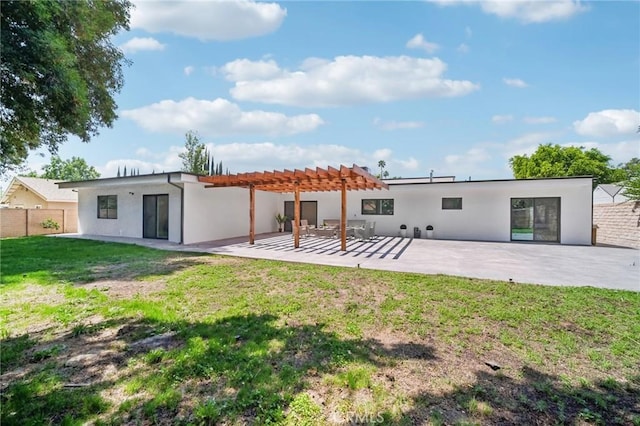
pixel 547 264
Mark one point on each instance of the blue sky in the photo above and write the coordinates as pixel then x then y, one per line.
pixel 457 87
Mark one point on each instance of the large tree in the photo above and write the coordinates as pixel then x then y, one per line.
pixel 59 72
pixel 194 158
pixel 555 160
pixel 74 169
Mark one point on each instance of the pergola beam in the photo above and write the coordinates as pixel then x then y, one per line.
pixel 297 181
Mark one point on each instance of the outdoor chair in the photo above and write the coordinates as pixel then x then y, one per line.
pixel 305 228
pixel 354 224
pixel 366 233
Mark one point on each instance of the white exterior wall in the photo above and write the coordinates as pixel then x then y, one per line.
pixel 486 208
pixel 218 213
pixel 129 221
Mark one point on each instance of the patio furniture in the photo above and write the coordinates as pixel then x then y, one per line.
pixel 366 233
pixel 305 228
pixel 332 223
pixel 354 224
pixel 326 232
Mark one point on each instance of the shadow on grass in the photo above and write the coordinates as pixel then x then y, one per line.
pixel 241 367
pixel 40 259
pixel 249 369
pixel 537 398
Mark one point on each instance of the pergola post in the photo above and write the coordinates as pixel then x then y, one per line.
pixel 343 217
pixel 252 214
pixel 296 216
pixel 297 181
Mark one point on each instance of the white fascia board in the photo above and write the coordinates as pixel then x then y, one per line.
pixel 152 179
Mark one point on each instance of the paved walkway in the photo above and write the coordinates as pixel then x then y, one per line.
pixel 548 264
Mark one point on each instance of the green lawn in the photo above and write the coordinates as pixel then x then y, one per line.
pixel 114 334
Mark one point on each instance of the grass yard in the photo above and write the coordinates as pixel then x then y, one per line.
pixel 111 334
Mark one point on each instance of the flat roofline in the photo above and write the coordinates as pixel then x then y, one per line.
pixel 75 183
pixel 390 181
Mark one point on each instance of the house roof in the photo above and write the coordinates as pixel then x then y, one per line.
pixel 308 180
pixel 44 188
pixel 150 178
pixel 610 189
pixel 444 180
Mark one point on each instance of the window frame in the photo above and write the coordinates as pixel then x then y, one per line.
pixel 380 209
pixel 456 206
pixel 111 209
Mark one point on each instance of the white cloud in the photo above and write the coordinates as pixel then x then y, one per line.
pixel 188 70
pixel 620 152
pixel 244 69
pixel 463 48
pixel 138 44
pixel 468 32
pixel 472 156
pixel 345 80
pixel 526 11
pixel 539 120
pixel 382 154
pixel 471 163
pixel 515 82
pixel 527 143
pixel 208 20
pixel 395 125
pixel 218 117
pixel 410 164
pixel 501 119
pixel 418 42
pixel 170 163
pixel 608 122
pixel 248 157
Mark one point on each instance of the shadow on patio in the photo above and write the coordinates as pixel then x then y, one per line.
pixel 380 247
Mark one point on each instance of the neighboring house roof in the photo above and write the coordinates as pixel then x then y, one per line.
pixel 610 189
pixel 44 188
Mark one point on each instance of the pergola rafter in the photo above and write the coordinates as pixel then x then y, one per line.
pixel 296 181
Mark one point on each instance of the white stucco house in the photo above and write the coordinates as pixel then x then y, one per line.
pixel 608 194
pixel 178 207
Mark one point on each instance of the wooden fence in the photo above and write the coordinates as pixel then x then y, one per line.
pixel 25 222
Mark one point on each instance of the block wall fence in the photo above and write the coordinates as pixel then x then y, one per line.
pixel 25 222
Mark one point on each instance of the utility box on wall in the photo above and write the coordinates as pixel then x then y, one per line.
pixel 416 232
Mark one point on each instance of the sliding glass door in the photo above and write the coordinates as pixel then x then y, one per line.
pixel 155 212
pixel 535 219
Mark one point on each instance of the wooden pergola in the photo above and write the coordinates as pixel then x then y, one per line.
pixel 309 180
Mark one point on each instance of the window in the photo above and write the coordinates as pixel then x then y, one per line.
pixel 452 204
pixel 107 206
pixel 382 207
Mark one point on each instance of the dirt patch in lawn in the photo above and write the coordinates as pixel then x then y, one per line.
pixel 127 289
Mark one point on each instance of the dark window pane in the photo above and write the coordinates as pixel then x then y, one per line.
pixel 107 206
pixel 452 204
pixel 377 207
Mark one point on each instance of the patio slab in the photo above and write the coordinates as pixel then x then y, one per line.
pixel 547 264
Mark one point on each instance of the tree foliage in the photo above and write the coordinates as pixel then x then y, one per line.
pixel 197 159
pixel 59 72
pixel 74 169
pixel 194 159
pixel 632 183
pixel 555 160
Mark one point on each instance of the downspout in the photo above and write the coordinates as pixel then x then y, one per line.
pixel 181 207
